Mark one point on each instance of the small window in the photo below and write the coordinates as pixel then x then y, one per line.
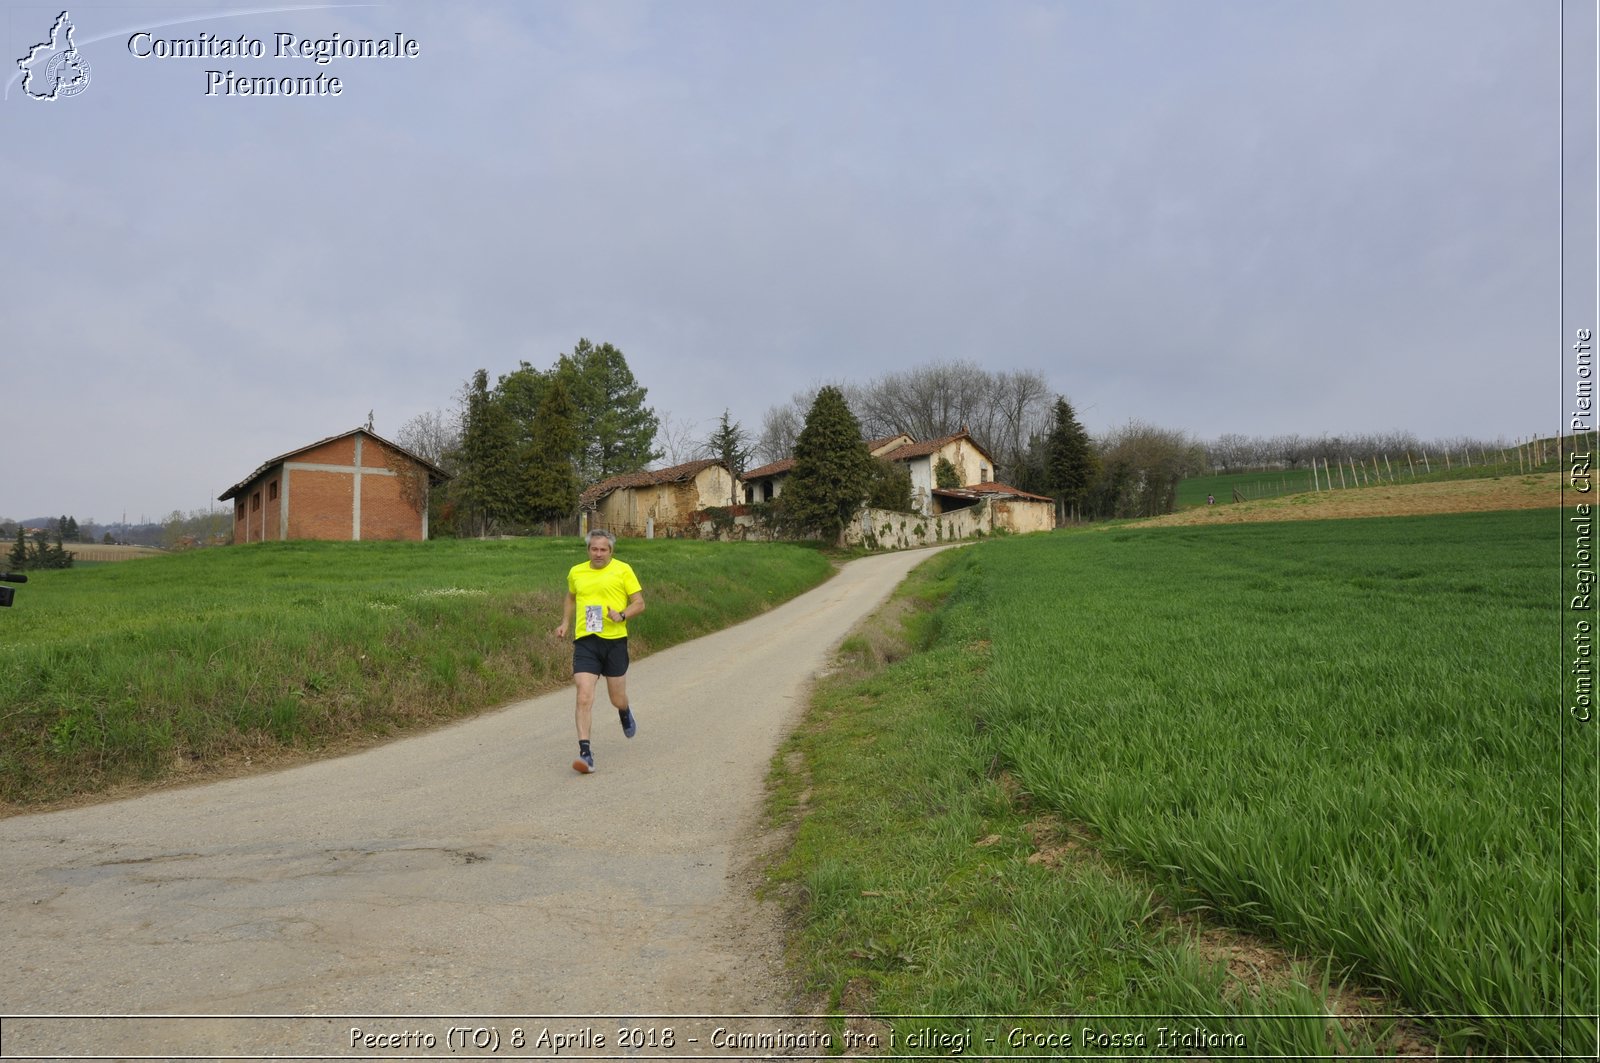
pixel 255 501
pixel 272 491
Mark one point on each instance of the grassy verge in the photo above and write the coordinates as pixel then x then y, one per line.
pixel 137 671
pixel 1339 737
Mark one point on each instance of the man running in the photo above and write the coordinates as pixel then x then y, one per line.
pixel 602 595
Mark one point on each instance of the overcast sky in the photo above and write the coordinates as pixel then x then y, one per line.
pixel 1219 216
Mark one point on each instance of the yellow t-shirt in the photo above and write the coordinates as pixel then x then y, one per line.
pixel 599 590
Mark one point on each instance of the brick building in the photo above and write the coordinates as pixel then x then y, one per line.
pixel 353 486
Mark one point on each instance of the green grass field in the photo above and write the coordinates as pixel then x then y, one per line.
pixel 1343 736
pixel 134 671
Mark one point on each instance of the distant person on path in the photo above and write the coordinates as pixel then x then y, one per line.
pixel 602 595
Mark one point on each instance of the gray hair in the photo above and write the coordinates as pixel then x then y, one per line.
pixel 603 534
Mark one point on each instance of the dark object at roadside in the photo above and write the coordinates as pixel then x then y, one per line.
pixel 6 593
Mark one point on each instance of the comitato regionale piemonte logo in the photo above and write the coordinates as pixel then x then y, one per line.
pixel 55 69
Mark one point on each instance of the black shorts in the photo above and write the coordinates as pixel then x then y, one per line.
pixel 607 657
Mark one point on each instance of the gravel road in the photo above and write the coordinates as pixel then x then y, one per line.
pixel 465 872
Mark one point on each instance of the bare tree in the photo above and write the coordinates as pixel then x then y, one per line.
pixel 1004 411
pixel 780 427
pixel 433 434
pixel 678 440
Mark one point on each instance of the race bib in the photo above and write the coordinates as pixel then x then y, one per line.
pixel 594 617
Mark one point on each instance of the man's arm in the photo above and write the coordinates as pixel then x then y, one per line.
pixel 569 609
pixel 634 607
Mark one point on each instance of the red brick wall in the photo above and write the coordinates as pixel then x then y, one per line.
pixel 320 504
pixel 322 501
pixel 385 513
pixel 256 513
pixel 338 452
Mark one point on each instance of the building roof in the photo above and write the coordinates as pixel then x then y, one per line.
pixel 887 442
pixel 990 488
pixel 435 474
pixel 777 468
pixel 933 446
pixel 594 493
pixel 773 469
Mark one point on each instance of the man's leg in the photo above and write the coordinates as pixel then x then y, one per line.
pixel 617 689
pixel 585 682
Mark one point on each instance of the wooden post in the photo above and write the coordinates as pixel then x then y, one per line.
pixel 1341 475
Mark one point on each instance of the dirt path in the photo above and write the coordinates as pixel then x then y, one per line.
pixel 464 872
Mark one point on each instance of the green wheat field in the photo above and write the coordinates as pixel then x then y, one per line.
pixel 1342 737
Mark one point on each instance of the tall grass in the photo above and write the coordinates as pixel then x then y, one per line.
pixel 1343 734
pixel 140 669
pixel 1343 737
pixel 925 903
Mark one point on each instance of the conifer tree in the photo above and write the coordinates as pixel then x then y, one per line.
pixel 550 483
pixel 616 430
pixel 832 469
pixel 488 485
pixel 1069 458
pixel 729 446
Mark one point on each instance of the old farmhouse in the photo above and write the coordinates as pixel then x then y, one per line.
pixel 354 486
pixel 764 483
pixel 662 502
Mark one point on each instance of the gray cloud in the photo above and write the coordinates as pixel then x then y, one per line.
pixel 1219 217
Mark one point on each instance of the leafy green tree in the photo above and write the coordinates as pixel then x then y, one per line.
pixel 489 483
pixel 550 484
pixel 1140 468
pixel 1069 459
pixel 832 469
pixel 729 445
pixel 891 486
pixel 616 430
pixel 945 474
pixel 521 391
pixel 18 558
pixel 1029 473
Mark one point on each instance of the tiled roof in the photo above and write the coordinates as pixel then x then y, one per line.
pixel 435 474
pixel 648 478
pixel 932 446
pixel 875 445
pixel 772 469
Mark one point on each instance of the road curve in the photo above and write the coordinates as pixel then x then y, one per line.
pixel 467 871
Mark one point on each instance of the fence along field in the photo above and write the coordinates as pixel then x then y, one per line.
pixel 1321 475
pixel 1340 733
